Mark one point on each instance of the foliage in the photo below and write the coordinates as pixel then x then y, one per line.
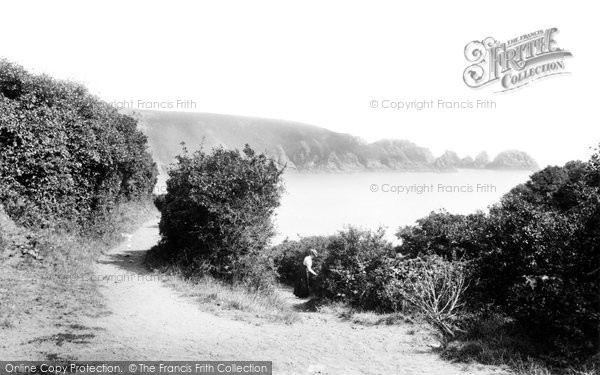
pixel 255 270
pixel 444 234
pixel 543 258
pixel 159 201
pixel 349 272
pixel 360 268
pixel 217 214
pixel 288 255
pixel 535 255
pixel 67 158
pixel 436 287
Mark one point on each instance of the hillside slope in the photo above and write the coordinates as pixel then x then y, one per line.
pixel 300 146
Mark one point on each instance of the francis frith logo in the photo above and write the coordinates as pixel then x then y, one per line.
pixel 514 63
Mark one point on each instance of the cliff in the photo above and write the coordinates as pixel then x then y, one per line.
pixel 301 147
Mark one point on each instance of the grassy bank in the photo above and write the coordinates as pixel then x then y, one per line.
pixel 221 298
pixel 46 286
pixel 496 341
pixel 491 342
pixel 363 317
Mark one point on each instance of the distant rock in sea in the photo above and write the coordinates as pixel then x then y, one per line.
pixel 513 159
pixel 302 147
pixel 449 160
pixel 481 160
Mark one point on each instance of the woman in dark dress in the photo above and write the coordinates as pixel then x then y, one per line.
pixel 302 287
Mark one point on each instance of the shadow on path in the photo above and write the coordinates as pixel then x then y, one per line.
pixel 127 260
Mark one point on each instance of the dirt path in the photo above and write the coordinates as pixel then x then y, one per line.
pixel 148 320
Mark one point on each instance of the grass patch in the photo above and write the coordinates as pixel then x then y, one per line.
pixel 359 316
pixel 218 297
pixel 45 283
pixel 497 341
pixel 494 341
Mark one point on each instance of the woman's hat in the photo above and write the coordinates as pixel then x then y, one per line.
pixel 314 252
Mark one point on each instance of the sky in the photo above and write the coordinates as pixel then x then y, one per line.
pixel 323 63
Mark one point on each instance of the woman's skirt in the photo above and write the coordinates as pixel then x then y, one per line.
pixel 301 287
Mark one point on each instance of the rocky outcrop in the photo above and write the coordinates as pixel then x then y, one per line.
pixel 299 146
pixel 513 159
pixel 481 160
pixel 449 160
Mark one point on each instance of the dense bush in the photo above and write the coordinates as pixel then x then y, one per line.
pixel 351 270
pixel 444 234
pixel 217 214
pixel 359 267
pixel 435 287
pixel 288 255
pixel 535 255
pixel 544 257
pixel 66 157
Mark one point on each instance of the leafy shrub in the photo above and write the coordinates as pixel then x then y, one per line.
pixel 288 255
pixel 353 270
pixel 159 201
pixel 435 287
pixel 444 234
pixel 256 271
pixel 67 158
pixel 360 268
pixel 535 255
pixel 217 214
pixel 543 261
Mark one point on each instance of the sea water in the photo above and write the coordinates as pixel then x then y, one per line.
pixel 323 203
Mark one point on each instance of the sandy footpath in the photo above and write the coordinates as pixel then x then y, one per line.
pixel 147 320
